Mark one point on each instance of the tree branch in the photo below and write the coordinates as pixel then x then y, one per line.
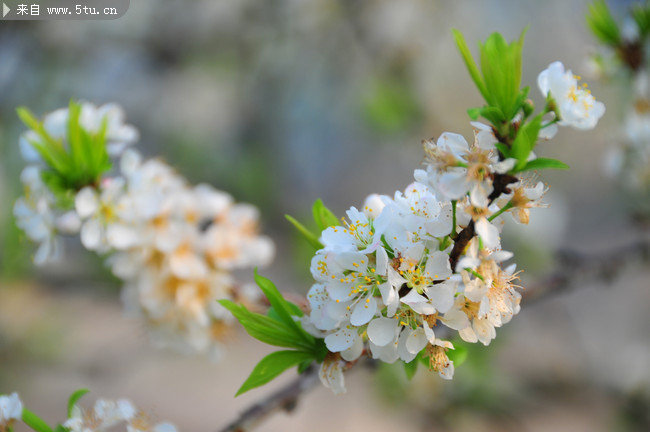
pixel 577 267
pixel 285 399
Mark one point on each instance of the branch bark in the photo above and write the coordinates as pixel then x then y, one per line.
pixel 575 268
pixel 285 399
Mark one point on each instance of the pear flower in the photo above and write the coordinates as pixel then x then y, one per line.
pixel 108 413
pixel 11 409
pixel 102 229
pixel 575 105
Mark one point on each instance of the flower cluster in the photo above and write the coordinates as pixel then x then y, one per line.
pixel 39 212
pixel 406 274
pixel 106 414
pixel 623 56
pixel 409 270
pixel 174 244
pixel 629 159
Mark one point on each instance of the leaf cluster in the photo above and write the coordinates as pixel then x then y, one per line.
pixel 602 24
pixel 507 106
pixel 73 163
pixel 323 218
pixel 279 327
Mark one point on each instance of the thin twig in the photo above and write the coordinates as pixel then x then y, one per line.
pixel 284 399
pixel 577 268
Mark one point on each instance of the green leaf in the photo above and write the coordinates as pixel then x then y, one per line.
pixel 34 421
pixel 268 330
pixel 74 398
pixel 504 149
pixel 602 23
pixel 641 15
pixel 411 367
pixel 545 163
pixel 474 113
pixel 302 367
pixel 494 115
pixel 271 366
pixel 469 62
pixel 282 308
pixel 308 235
pixel 323 216
pixel 525 141
pixel 458 355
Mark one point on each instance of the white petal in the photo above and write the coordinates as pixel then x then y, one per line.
pixel 382 261
pixel 382 331
pixel 331 376
pixel 342 339
pixel 91 234
pixel 86 202
pixel 488 232
pixel 387 353
pixel 418 303
pixel 467 334
pixel 416 341
pixel 354 351
pixel 363 311
pixel 442 296
pixel 121 236
pixel 428 332
pixel 438 266
pixel 448 372
pixel 456 319
pixel 404 353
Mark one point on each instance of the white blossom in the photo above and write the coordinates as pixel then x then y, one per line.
pixel 575 104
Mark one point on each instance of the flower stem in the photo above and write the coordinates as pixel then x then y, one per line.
pixel 453 219
pixel 501 211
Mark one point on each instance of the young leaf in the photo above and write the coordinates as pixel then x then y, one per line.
pixel 459 354
pixel 525 141
pixel 410 368
pixel 266 329
pixel 34 421
pixel 74 398
pixel 308 235
pixel 474 113
pixel 641 15
pixel 323 216
pixel 602 23
pixel 469 62
pixel 545 163
pixel 280 304
pixel 494 115
pixel 271 366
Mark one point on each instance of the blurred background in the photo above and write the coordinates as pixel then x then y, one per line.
pixel 283 102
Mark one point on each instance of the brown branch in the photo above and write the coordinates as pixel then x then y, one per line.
pixel 500 183
pixel 577 268
pixel 285 399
